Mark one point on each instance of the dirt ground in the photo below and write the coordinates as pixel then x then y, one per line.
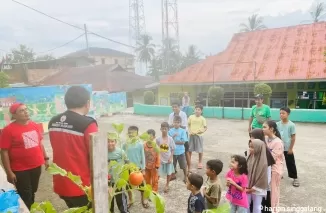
pixel 224 138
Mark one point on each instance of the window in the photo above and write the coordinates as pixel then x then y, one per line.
pixel 115 61
pixel 103 60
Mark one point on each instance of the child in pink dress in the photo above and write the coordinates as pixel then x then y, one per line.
pixel 237 182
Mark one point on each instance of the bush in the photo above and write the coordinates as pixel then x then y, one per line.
pixel 265 90
pixel 4 80
pixel 149 98
pixel 215 95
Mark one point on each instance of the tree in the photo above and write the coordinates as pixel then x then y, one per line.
pixel 265 90
pixel 149 97
pixel 21 54
pixel 155 68
pixel 145 49
pixel 215 95
pixel 170 55
pixel 255 22
pixel 318 12
pixel 4 80
pixel 191 57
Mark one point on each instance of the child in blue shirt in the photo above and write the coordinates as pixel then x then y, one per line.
pixel 135 154
pixel 180 137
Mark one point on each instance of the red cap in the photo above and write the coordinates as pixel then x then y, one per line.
pixel 13 108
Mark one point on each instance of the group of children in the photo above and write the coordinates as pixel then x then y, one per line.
pixel 253 180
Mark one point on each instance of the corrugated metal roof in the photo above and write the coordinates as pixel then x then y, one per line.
pixel 112 78
pixel 289 53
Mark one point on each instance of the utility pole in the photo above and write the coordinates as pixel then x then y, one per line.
pixel 86 37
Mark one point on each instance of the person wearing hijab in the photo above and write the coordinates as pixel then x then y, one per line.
pixel 257 174
pixel 259 134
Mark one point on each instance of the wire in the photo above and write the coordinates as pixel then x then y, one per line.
pixel 71 25
pixel 50 50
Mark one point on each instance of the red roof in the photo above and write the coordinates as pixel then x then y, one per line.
pixel 291 53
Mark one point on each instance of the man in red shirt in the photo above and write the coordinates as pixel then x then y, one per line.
pixel 69 136
pixel 22 153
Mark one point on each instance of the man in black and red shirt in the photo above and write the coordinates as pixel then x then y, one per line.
pixel 22 153
pixel 69 135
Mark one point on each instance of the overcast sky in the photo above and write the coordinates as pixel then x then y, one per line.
pixel 209 24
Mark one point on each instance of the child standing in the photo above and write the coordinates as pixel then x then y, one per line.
pixel 212 189
pixel 179 136
pixel 287 131
pixel 196 202
pixel 136 155
pixel 237 181
pixel 118 155
pixel 167 147
pixel 276 147
pixel 152 158
pixel 257 174
pixel 197 126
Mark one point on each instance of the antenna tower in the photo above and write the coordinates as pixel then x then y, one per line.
pixel 137 25
pixel 170 29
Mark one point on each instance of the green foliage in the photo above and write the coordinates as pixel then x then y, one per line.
pixel 265 90
pixel 4 80
pixel 255 22
pixel 224 208
pixel 215 95
pixel 120 171
pixel 149 98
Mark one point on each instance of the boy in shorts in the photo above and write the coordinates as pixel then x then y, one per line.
pixel 197 126
pixel 196 202
pixel 179 136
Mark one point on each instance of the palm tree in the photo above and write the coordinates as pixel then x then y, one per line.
pixel 170 55
pixel 145 49
pixel 255 23
pixel 318 12
pixel 191 57
pixel 155 68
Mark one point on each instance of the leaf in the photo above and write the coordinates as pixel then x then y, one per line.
pixel 124 174
pixel 145 136
pixel 159 204
pixel 74 178
pixel 54 169
pixel 113 136
pixel 43 207
pixel 112 163
pixel 118 127
pixel 147 191
pixel 121 184
pixel 76 210
pixel 224 208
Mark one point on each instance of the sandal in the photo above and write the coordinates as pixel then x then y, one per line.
pixel 145 205
pixel 296 183
pixel 200 166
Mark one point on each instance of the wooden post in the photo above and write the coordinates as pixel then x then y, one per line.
pixel 99 168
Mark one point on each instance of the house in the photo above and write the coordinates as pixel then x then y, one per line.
pixel 289 59
pixel 34 71
pixel 107 56
pixel 107 77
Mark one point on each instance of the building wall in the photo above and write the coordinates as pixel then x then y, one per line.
pixel 164 91
pixel 297 115
pixel 125 62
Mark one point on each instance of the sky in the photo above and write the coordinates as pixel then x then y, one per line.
pixel 208 24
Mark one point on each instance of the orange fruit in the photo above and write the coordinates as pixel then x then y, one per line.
pixel 136 178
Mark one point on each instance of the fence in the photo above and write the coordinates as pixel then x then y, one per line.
pixel 297 115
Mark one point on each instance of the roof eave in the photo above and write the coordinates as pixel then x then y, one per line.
pixel 243 82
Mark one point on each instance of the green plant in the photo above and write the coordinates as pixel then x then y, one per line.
pixel 4 80
pixel 265 90
pixel 149 97
pixel 120 172
pixel 224 208
pixel 215 95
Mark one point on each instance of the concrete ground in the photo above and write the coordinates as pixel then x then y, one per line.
pixel 222 139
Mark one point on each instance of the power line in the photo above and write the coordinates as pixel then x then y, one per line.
pixel 50 50
pixel 71 25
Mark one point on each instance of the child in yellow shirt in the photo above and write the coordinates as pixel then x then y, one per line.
pixel 197 126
